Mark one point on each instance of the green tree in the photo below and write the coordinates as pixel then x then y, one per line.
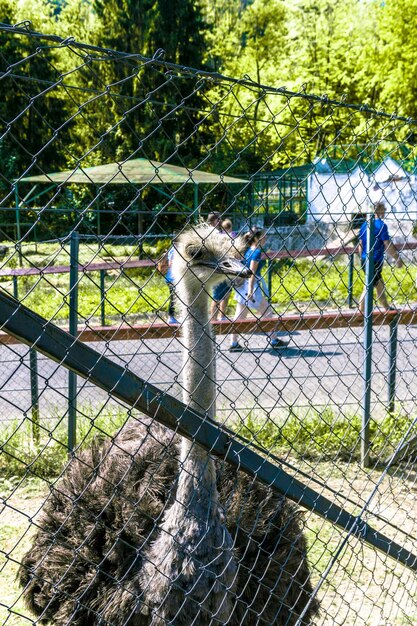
pixel 256 51
pixel 222 37
pixel 327 50
pixel 147 94
pixel 76 18
pixel 394 58
pixel 31 109
pixel 327 53
pixel 33 113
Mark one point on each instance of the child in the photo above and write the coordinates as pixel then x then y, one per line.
pixel 252 294
pixel 221 292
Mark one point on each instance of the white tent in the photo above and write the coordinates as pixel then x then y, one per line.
pixel 388 170
pixel 335 197
pixel 397 190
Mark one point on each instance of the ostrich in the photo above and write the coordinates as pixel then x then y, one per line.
pixel 148 529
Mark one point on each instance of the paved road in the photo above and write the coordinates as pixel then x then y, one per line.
pixel 321 368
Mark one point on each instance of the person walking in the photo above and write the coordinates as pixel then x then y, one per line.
pixel 382 245
pixel 227 228
pixel 215 220
pixel 221 293
pixel 253 293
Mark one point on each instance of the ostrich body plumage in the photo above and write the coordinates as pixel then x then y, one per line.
pixel 123 542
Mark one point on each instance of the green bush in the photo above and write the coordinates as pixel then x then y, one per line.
pixel 308 434
pixel 21 456
pixel 143 291
pixel 325 435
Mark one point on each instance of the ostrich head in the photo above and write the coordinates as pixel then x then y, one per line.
pixel 206 257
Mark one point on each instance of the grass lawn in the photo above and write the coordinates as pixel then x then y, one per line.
pixel 295 285
pixel 20 502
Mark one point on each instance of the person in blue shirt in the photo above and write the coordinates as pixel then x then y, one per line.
pixel 382 245
pixel 222 291
pixel 253 293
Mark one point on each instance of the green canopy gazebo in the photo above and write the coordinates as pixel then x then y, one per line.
pixel 136 171
pixel 139 172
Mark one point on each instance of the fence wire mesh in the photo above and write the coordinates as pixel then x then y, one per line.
pixel 207 391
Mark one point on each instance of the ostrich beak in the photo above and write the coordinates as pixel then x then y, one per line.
pixel 230 267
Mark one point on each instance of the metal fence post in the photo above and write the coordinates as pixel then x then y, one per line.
pixel 18 229
pixel 102 298
pixel 33 368
pixel 269 276
pixel 196 207
pixel 392 363
pixel 98 221
pixel 34 393
pixel 367 341
pixel 73 326
pixel 15 287
pixel 350 278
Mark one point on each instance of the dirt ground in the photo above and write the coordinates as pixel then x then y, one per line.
pixel 356 585
pixel 361 585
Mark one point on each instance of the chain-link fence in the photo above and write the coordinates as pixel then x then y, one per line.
pixel 207 347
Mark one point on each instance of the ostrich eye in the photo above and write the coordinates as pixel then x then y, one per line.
pixel 194 252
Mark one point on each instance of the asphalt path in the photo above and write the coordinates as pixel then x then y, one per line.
pixel 317 369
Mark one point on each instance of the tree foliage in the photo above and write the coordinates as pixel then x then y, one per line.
pixel 360 50
pixel 395 55
pixel 30 110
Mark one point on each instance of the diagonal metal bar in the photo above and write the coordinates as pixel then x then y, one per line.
pixel 60 346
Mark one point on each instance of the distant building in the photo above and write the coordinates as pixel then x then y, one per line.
pixel 334 191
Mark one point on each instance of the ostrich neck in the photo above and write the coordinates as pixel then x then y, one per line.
pixel 198 365
pixel 198 472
